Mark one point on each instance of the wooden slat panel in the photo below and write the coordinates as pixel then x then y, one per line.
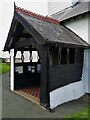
pixel 64 74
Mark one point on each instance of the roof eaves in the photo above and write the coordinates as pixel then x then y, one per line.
pixel 68 18
pixel 69 10
pixel 70 44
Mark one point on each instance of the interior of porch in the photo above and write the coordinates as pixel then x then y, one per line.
pixel 28 74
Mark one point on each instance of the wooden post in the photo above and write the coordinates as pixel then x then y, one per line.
pixel 22 57
pixel 67 55
pixel 48 79
pixel 75 56
pixel 31 55
pixel 44 87
pixel 59 55
pixel 12 70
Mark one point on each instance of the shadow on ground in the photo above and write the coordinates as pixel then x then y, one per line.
pixel 15 106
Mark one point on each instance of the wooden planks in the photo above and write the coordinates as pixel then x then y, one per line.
pixel 64 74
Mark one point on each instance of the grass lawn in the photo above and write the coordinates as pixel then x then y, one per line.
pixel 4 68
pixel 85 113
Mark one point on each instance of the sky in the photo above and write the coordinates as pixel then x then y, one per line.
pixel 7 9
pixel 6 15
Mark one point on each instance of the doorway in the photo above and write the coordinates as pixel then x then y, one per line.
pixel 28 74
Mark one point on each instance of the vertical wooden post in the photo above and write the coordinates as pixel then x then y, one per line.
pixel 67 55
pixel 44 87
pixel 48 79
pixel 75 56
pixel 12 70
pixel 30 55
pixel 22 57
pixel 59 55
pixel 38 56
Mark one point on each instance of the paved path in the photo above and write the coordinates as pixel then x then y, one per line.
pixel 15 106
pixel 0 97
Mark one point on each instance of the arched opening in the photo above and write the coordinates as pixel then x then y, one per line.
pixel 28 73
pixel 28 79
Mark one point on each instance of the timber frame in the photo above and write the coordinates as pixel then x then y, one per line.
pixel 44 57
pixel 31 32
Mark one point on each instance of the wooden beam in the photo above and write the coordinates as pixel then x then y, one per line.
pixel 26 49
pixel 22 35
pixel 10 33
pixel 24 43
pixel 31 29
pixel 19 29
pixel 48 78
pixel 59 55
pixel 67 55
pixel 44 56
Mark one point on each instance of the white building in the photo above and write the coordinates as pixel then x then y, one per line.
pixel 77 19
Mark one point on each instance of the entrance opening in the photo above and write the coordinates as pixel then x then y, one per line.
pixel 28 74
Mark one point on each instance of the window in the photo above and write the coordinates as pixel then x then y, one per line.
pixel 34 56
pixel 18 57
pixel 79 56
pixel 63 56
pixel 26 56
pixel 72 55
pixel 54 56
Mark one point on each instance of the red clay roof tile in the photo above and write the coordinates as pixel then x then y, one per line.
pixel 38 16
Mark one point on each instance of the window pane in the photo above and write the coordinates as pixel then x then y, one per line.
pixel 34 56
pixel 79 56
pixel 63 55
pixel 72 56
pixel 18 57
pixel 26 56
pixel 54 56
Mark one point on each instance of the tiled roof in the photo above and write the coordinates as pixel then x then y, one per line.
pixel 53 32
pixel 38 16
pixel 44 30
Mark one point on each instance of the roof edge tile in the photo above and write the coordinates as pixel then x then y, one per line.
pixel 38 16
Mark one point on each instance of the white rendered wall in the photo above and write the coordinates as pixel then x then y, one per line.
pixel 89 71
pixel 80 26
pixel 85 75
pixel 67 93
pixel 57 5
pixel 89 55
